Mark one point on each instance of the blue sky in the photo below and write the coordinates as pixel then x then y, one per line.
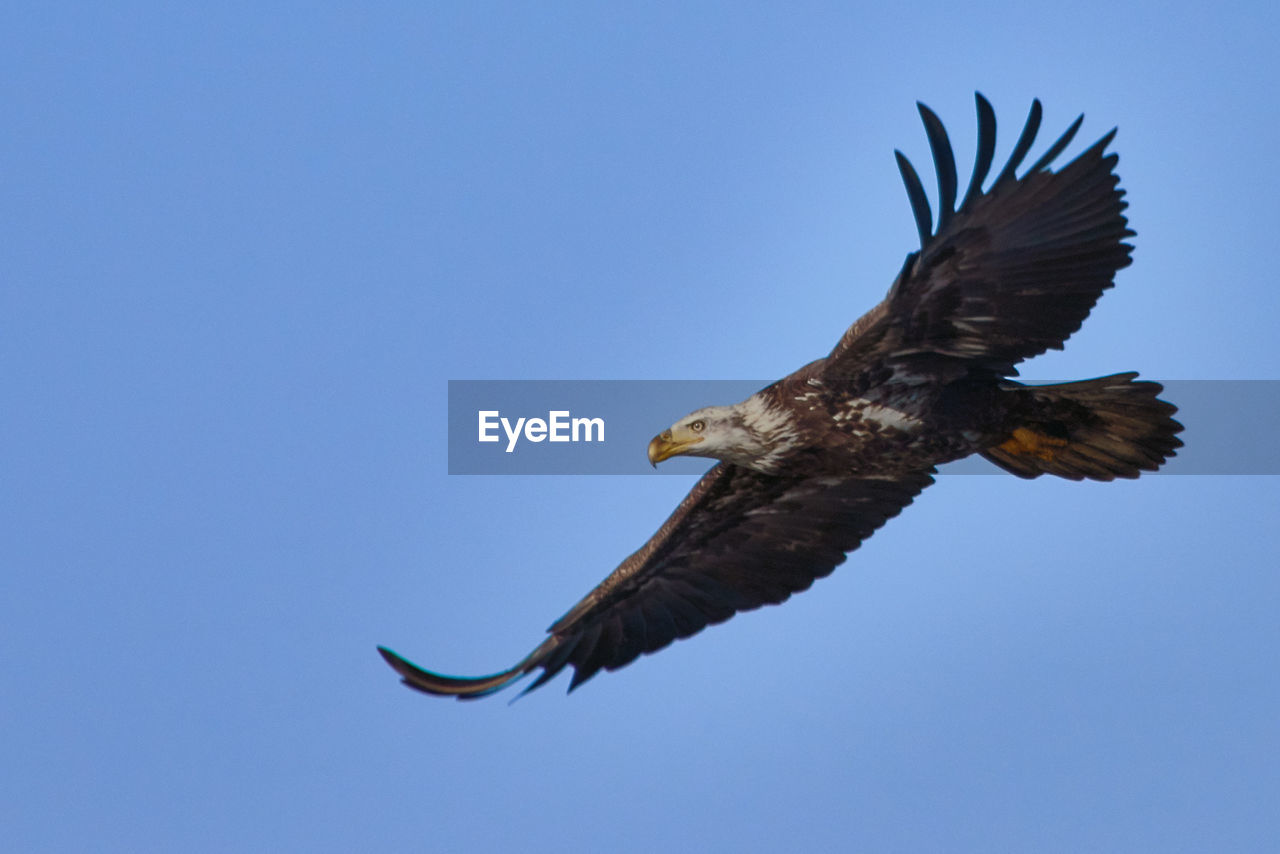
pixel 246 248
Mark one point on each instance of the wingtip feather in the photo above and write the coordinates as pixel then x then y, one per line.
pixel 1054 150
pixel 944 163
pixel 919 201
pixel 450 686
pixel 986 149
pixel 1025 141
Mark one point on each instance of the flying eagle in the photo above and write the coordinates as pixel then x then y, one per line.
pixel 812 465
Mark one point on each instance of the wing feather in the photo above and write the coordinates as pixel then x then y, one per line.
pixel 986 150
pixel 944 162
pixel 1023 145
pixel 919 199
pixel 1056 149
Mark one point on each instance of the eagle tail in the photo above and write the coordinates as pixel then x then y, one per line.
pixel 1100 429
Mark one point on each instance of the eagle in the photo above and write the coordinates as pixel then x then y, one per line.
pixel 813 464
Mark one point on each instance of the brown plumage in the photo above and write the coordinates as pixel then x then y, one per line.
pixel 813 464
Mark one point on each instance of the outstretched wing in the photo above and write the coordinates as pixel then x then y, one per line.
pixel 739 540
pixel 1012 272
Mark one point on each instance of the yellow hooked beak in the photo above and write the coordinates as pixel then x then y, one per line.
pixel 665 445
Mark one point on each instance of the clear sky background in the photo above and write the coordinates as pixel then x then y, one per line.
pixel 244 249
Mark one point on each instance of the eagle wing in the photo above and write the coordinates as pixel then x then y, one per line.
pixel 739 540
pixel 1009 273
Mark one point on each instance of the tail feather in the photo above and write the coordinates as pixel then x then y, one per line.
pixel 1100 429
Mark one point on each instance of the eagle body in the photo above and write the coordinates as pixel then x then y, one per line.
pixel 813 464
pixel 811 428
pixel 885 430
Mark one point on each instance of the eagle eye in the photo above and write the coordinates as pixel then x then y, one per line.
pixel 697 425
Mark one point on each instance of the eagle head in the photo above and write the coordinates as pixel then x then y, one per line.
pixel 752 434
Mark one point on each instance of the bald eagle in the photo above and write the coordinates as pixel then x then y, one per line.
pixel 812 465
